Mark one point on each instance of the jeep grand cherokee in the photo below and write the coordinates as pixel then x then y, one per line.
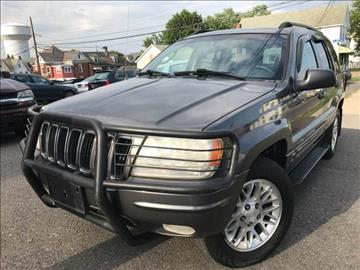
pixel 206 141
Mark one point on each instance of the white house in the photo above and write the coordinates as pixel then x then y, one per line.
pixel 149 54
pixel 14 65
pixel 334 23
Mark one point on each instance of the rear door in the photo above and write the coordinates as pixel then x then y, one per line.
pixel 326 61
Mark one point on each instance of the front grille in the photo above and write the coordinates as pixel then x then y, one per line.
pixel 68 147
pixel 120 159
pixel 87 152
pixel 75 149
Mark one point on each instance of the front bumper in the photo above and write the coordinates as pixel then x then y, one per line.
pixel 205 206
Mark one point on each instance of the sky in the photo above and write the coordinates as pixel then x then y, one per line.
pixel 69 21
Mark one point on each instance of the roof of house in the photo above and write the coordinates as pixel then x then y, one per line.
pixel 101 56
pixel 69 56
pixel 160 47
pixel 10 63
pixel 335 15
pixel 52 55
pixel 4 66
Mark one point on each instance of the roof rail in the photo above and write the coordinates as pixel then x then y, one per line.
pixel 201 31
pixel 290 24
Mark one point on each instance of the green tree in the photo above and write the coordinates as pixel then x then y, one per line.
pixel 355 24
pixel 153 39
pixel 228 18
pixel 181 25
pixel 258 10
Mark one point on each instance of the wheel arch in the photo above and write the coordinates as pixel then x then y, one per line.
pixel 271 144
pixel 69 90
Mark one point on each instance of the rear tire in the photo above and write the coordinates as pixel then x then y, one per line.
pixel 237 252
pixel 332 135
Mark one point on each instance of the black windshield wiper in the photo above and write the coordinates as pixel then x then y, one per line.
pixel 151 72
pixel 202 72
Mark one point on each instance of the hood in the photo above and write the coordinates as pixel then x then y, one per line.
pixel 9 86
pixel 163 103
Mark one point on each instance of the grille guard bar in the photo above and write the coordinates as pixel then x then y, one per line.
pixel 116 222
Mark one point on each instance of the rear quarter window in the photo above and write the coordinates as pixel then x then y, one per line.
pixel 323 57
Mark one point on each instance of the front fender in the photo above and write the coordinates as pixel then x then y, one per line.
pixel 254 142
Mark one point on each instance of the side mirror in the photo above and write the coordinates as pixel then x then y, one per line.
pixel 316 79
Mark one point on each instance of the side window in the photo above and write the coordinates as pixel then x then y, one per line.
pixel 23 78
pixel 38 79
pixel 130 73
pixel 334 57
pixel 308 60
pixel 322 55
pixel 120 74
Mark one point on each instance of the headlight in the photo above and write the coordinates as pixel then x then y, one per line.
pixel 178 158
pixel 25 94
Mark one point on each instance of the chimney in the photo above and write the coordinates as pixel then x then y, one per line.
pixel 106 50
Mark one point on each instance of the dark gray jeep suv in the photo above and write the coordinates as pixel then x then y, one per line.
pixel 206 141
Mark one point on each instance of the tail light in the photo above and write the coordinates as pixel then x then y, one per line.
pixel 107 82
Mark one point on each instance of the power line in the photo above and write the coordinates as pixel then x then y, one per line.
pixel 17 53
pixel 162 25
pixel 326 10
pixel 152 32
pixel 111 33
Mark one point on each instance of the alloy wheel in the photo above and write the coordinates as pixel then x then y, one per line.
pixel 256 217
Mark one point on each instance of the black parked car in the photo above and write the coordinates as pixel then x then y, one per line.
pixel 45 91
pixel 71 81
pixel 207 141
pixel 15 99
pixel 107 77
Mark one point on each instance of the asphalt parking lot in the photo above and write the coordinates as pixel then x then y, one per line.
pixel 325 232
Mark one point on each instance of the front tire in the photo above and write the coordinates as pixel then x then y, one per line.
pixel 260 220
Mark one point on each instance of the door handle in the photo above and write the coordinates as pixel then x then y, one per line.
pixel 321 94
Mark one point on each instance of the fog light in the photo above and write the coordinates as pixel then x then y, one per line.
pixel 179 229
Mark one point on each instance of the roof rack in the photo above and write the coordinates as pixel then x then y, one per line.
pixel 291 24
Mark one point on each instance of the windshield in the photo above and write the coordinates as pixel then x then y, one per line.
pixel 254 56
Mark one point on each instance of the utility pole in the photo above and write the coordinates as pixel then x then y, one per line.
pixel 35 46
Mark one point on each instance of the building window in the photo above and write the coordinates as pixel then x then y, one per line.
pixel 67 69
pixel 81 68
pixel 48 70
pixel 58 69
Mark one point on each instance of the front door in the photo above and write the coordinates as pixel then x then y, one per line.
pixel 308 105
